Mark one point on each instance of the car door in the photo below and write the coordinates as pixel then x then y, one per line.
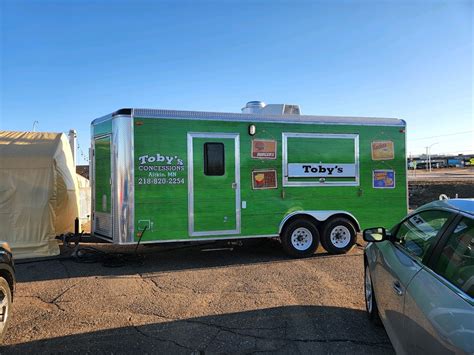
pixel 399 262
pixel 439 302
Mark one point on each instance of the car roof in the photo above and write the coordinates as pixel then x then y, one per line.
pixel 465 205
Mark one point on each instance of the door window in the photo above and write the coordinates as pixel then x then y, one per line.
pixel 418 232
pixel 456 261
pixel 214 164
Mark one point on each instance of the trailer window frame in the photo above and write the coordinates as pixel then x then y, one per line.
pixel 303 182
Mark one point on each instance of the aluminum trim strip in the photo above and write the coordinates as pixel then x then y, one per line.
pixel 319 215
pixel 122 178
pixel 131 199
pixel 227 116
pixel 200 239
pixel 222 232
pixel 238 204
pixel 104 225
pixel 100 236
pixel 190 185
pixel 96 214
pixel 102 119
pixel 91 178
pixel 284 154
pixel 190 137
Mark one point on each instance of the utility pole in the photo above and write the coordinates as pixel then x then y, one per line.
pixel 428 153
pixel 72 135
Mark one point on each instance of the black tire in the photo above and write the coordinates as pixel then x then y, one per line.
pixel 369 297
pixel 339 235
pixel 300 238
pixel 5 306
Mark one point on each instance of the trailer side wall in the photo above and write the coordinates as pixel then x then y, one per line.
pixel 161 185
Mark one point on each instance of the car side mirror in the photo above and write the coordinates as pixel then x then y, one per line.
pixel 375 235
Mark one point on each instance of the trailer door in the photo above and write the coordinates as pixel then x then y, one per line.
pixel 213 184
pixel 102 185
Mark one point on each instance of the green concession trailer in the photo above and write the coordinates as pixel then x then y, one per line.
pixel 172 176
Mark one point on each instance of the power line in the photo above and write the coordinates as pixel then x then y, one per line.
pixel 443 135
pixel 84 156
pixel 445 153
pixel 466 152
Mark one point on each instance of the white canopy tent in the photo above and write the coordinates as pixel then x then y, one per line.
pixel 39 196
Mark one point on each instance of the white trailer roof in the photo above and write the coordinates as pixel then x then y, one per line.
pixel 228 116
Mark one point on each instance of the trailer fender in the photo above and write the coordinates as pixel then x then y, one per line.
pixel 320 216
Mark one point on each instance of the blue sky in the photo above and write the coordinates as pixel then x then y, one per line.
pixel 64 63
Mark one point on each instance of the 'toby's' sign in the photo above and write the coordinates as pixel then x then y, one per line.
pixel 321 170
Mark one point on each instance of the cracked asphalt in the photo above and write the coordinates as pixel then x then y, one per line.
pixel 187 300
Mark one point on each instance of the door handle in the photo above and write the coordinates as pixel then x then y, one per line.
pixel 397 288
pixel 234 185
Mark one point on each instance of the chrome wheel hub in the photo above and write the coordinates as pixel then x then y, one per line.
pixel 301 238
pixel 340 236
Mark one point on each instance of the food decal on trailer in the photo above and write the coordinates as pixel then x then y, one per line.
pixel 172 176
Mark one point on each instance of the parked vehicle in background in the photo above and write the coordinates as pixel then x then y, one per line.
pixel 7 286
pixel 455 163
pixel 419 279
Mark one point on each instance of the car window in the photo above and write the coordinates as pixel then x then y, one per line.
pixel 456 261
pixel 418 232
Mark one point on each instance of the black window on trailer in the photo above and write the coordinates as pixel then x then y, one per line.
pixel 214 159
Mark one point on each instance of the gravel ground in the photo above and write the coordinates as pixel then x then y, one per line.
pixel 248 300
pixel 424 186
pixel 443 175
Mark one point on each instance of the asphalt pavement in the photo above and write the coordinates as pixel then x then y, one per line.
pixel 192 300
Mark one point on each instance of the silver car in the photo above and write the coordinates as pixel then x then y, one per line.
pixel 419 279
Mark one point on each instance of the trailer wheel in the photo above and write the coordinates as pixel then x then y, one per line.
pixel 339 235
pixel 300 239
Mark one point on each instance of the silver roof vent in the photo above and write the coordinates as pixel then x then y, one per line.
pixel 292 110
pixel 253 107
pixel 259 107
